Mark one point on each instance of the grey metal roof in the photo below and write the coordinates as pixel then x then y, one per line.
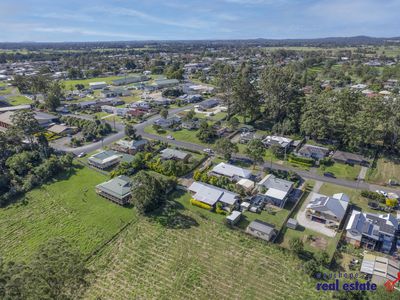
pixel 271 181
pixel 169 153
pixel 118 187
pixel 210 194
pixel 262 226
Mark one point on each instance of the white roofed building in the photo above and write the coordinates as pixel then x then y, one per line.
pixel 231 171
pixel 210 195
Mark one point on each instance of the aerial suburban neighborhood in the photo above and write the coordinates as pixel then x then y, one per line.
pixel 186 168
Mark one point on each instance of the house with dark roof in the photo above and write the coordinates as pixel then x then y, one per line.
pixel 169 153
pixel 117 190
pixel 312 151
pixel 169 122
pixel 327 210
pixel 208 104
pixel 262 230
pixel 350 158
pixel 372 231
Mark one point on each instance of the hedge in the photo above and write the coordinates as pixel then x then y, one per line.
pixel 200 204
pixel 373 195
pixel 302 160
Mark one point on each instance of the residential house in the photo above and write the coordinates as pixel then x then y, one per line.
pixel 277 189
pixel 167 123
pixel 211 195
pixel 169 153
pixel 372 231
pixel 350 158
pixel 327 210
pixel 311 151
pixel 105 159
pixel 232 172
pixel 191 124
pixel 262 230
pixel 62 129
pixel 208 104
pixel 130 147
pixel 280 141
pixel 117 190
pixel 143 105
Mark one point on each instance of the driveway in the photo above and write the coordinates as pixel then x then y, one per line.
pixel 307 223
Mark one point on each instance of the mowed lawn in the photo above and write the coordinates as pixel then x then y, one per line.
pixel 68 208
pixel 183 135
pixel 204 260
pixel 341 171
pixel 19 100
pixel 355 196
pixel 386 168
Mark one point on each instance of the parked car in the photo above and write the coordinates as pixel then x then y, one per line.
pixel 208 150
pixel 329 174
pixel 382 192
pixel 170 137
pixel 82 154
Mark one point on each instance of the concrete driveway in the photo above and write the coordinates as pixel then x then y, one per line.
pixel 307 223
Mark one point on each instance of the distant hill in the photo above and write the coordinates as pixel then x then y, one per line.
pixel 315 42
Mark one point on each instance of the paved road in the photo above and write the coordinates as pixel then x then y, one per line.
pixel 359 184
pixel 120 133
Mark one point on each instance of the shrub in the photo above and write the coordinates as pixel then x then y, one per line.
pixel 200 204
pixel 373 196
pixel 219 209
pixel 308 162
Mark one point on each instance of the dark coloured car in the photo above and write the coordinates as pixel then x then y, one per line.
pixel 329 174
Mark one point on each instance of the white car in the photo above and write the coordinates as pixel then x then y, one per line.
pixel 170 137
pixel 82 154
pixel 382 192
pixel 208 150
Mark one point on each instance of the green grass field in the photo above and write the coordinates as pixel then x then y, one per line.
pixel 19 100
pixel 205 260
pixel 341 171
pixel 355 197
pixel 69 208
pixel 386 168
pixel 181 135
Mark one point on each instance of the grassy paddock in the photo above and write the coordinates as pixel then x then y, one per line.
pixel 204 260
pixel 68 208
pixel 385 169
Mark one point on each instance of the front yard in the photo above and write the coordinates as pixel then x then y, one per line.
pixel 341 171
pixel 386 168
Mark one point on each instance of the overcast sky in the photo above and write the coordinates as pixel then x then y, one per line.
pixel 108 20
